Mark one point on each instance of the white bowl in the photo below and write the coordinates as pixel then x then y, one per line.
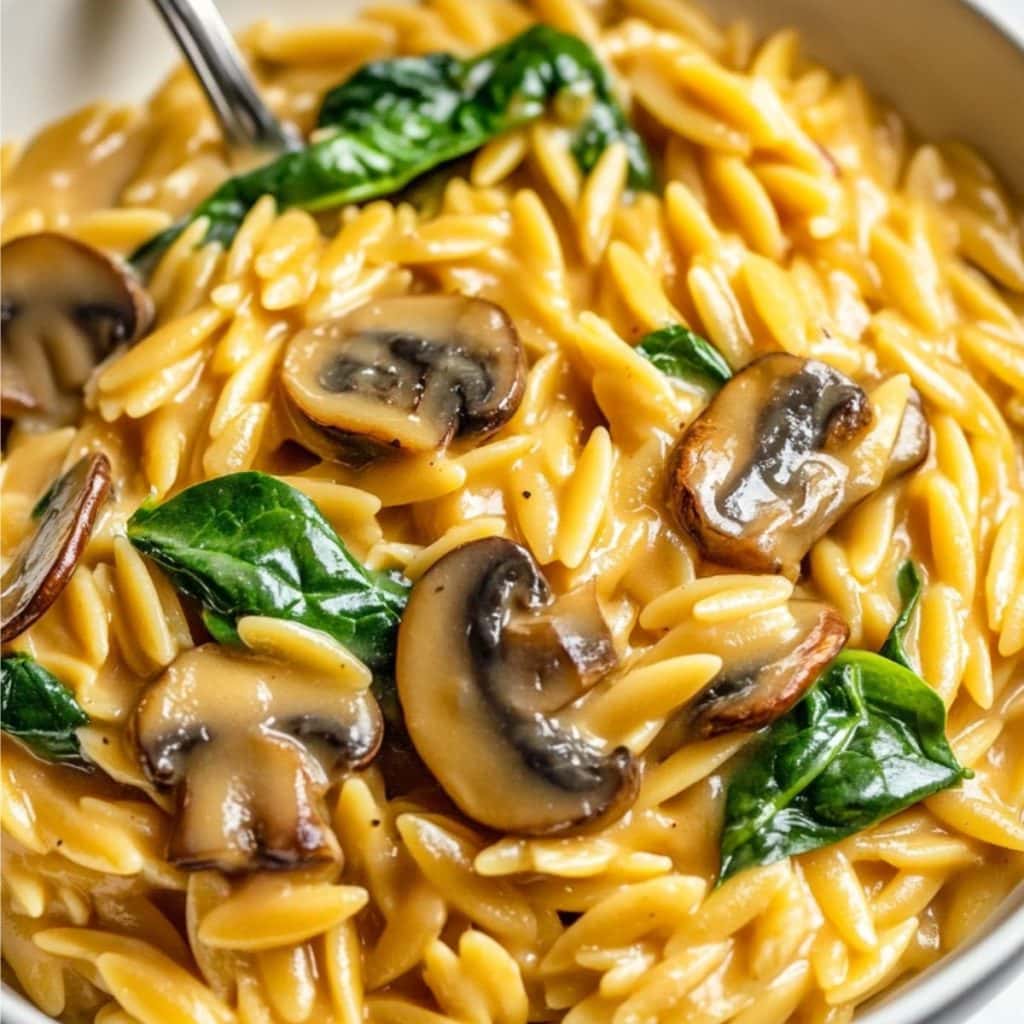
pixel 955 68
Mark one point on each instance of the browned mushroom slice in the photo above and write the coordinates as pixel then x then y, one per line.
pixel 405 373
pixel 759 475
pixel 769 661
pixel 763 676
pixel 251 745
pixel 473 674
pixel 45 562
pixel 65 307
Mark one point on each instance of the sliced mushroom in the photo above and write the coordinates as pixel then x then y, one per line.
pixel 769 661
pixel 251 745
pixel 478 646
pixel 768 467
pixel 407 373
pixel 65 307
pixel 45 562
pixel 763 676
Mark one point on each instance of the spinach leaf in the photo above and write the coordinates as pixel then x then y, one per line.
pixel 221 629
pixel 867 740
pixel 249 544
pixel 911 585
pixel 678 352
pixel 762 823
pixel 396 119
pixel 454 106
pixel 39 710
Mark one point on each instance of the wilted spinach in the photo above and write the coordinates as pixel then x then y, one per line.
pixel 678 352
pixel 249 544
pixel 396 119
pixel 910 586
pixel 868 740
pixel 39 710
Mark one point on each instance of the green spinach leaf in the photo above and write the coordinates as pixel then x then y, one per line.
pixel 221 629
pixel 396 119
pixel 762 823
pixel 249 544
pixel 867 741
pixel 911 585
pixel 453 106
pixel 39 710
pixel 678 352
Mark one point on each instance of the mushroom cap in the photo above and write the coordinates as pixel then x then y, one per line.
pixel 765 674
pixel 251 745
pixel 473 674
pixel 769 661
pixel 760 474
pixel 407 374
pixel 65 307
pixel 47 559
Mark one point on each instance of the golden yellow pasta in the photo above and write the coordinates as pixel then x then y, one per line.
pixel 698 433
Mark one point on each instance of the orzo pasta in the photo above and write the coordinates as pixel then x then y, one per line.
pixel 560 557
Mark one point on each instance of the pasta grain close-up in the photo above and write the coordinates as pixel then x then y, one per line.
pixel 512 512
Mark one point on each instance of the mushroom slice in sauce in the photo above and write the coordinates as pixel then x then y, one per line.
pixel 65 307
pixel 477 649
pixel 405 374
pixel 767 467
pixel 47 559
pixel 763 676
pixel 769 661
pixel 251 745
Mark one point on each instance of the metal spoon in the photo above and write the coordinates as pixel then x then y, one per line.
pixel 210 49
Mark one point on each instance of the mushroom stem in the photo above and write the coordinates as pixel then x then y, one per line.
pixel 251 746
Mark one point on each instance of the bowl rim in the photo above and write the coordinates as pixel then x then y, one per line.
pixel 962 980
pixel 939 994
pixel 990 963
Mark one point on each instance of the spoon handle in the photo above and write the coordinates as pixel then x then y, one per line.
pixel 209 47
